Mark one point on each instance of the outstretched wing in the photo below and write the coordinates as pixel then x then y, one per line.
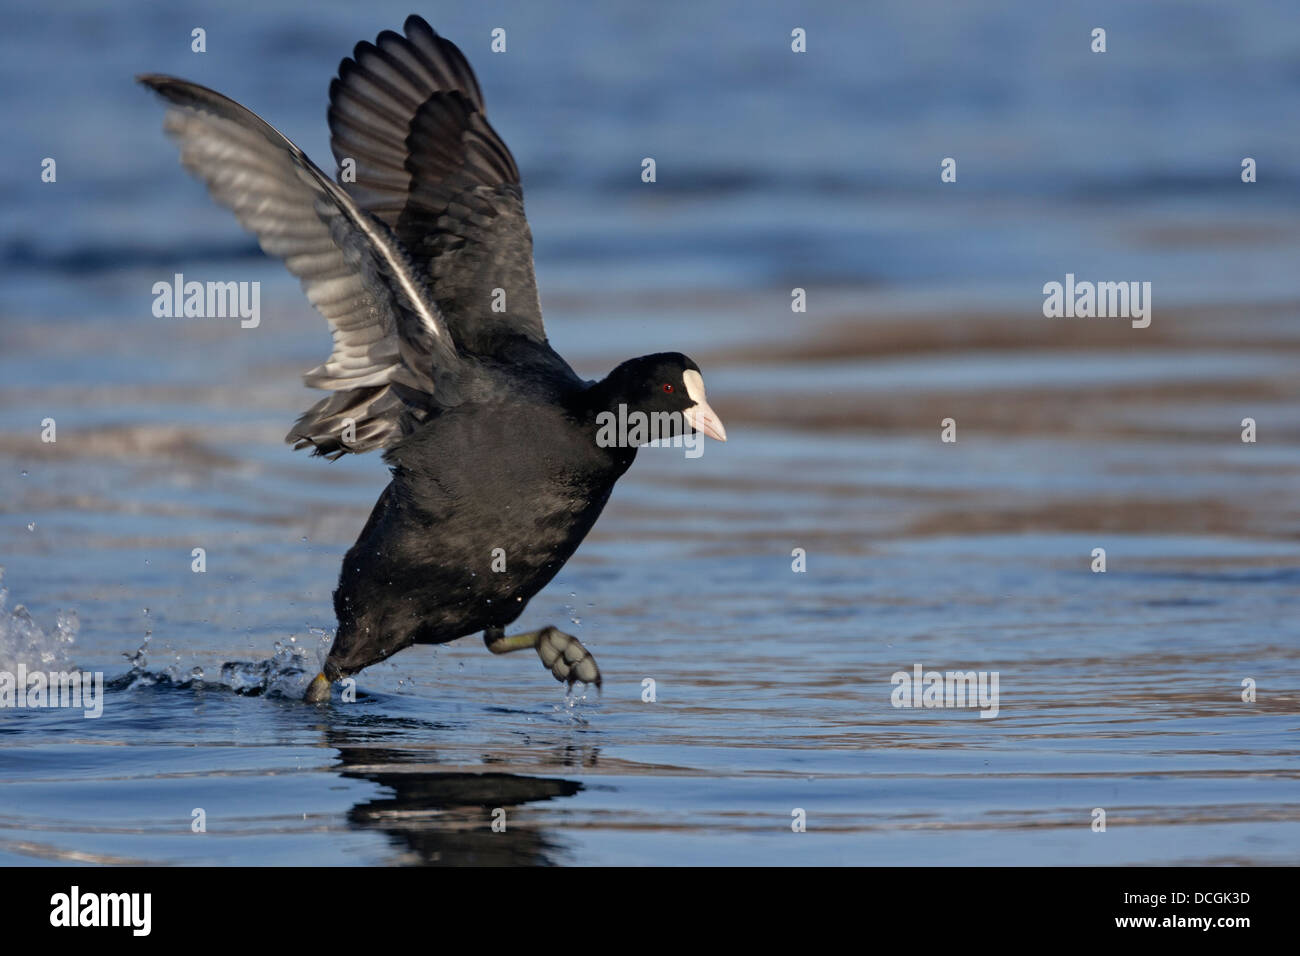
pixel 393 360
pixel 407 111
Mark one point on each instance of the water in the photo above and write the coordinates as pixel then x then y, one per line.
pixel 1120 691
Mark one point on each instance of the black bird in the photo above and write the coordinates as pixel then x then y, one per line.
pixel 421 259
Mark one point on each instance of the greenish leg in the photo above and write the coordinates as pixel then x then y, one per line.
pixel 562 654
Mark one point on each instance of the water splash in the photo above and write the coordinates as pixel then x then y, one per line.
pixel 23 641
pixel 285 673
pixel 281 675
pixel 576 704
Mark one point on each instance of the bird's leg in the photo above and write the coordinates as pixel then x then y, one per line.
pixel 563 654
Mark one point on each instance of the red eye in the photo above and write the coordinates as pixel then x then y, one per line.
pixel 667 387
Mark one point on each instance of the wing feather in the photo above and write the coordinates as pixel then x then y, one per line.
pixel 408 111
pixel 394 359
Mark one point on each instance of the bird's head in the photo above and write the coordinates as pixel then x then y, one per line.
pixel 664 392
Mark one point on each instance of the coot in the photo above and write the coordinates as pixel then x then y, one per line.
pixel 420 257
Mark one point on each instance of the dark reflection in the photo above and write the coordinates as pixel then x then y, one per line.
pixel 445 818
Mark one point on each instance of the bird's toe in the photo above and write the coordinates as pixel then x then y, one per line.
pixel 566 658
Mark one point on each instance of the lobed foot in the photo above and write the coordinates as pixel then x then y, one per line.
pixel 566 658
pixel 318 691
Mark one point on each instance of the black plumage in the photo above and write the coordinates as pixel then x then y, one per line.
pixel 420 257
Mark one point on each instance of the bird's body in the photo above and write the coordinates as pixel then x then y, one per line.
pixel 420 257
pixel 460 545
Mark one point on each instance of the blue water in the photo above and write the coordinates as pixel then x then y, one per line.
pixel 1120 691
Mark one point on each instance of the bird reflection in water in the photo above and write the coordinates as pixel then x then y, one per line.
pixel 445 817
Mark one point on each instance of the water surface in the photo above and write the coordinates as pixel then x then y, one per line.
pixel 1119 690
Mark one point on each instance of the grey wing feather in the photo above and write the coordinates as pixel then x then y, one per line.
pixel 393 359
pixel 408 112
